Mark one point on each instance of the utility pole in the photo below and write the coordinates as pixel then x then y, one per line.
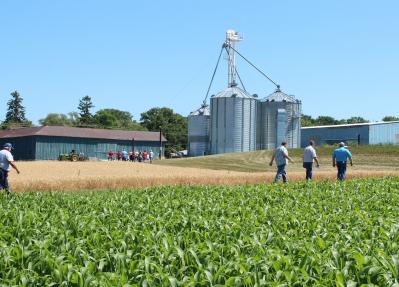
pixel 160 142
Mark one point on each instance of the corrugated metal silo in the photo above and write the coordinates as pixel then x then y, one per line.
pixel 198 131
pixel 233 121
pixel 271 129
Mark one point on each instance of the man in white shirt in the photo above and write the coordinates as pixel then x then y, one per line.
pixel 281 156
pixel 6 159
pixel 309 155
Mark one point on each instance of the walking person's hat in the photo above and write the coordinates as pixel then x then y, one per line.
pixel 7 145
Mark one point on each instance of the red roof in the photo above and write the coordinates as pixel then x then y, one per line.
pixel 61 131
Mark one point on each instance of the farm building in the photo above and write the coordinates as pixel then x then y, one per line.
pixel 48 142
pixel 365 133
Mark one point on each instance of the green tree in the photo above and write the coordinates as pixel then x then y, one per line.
pixel 390 119
pixel 325 120
pixel 85 105
pixel 74 117
pixel 307 121
pixel 15 116
pixel 54 119
pixel 356 120
pixel 116 119
pixel 174 127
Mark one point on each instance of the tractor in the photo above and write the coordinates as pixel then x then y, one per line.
pixel 72 156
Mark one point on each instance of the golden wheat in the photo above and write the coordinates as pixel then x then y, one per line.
pixel 70 176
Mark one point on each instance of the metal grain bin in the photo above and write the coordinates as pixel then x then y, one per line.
pixel 271 129
pixel 198 131
pixel 233 121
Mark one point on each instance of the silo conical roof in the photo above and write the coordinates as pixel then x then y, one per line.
pixel 233 92
pixel 202 111
pixel 279 96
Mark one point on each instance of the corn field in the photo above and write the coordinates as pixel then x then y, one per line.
pixel 302 234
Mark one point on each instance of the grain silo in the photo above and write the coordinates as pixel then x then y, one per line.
pixel 233 111
pixel 198 131
pixel 233 121
pixel 279 119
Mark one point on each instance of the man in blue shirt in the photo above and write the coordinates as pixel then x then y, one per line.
pixel 340 158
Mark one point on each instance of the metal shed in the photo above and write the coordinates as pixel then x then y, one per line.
pixel 364 133
pixel 47 142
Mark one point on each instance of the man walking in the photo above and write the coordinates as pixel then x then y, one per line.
pixel 6 159
pixel 340 158
pixel 281 156
pixel 309 155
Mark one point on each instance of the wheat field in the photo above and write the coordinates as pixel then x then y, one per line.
pixel 74 176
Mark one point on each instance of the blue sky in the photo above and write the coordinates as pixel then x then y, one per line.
pixel 339 57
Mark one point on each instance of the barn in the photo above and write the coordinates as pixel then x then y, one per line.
pixel 48 142
pixel 364 133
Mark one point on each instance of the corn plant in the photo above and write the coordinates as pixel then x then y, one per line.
pixel 304 234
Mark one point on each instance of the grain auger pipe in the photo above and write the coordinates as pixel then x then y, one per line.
pixel 213 76
pixel 256 68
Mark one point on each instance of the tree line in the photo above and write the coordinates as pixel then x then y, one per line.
pixel 307 121
pixel 173 125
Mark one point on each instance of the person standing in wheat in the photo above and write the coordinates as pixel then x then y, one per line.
pixel 340 158
pixel 309 156
pixel 6 159
pixel 281 156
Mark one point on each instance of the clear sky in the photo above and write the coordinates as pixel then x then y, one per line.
pixel 341 58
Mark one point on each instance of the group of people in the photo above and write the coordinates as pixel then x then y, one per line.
pixel 340 158
pixel 135 156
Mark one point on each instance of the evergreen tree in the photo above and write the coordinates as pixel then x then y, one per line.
pixel 15 110
pixel 85 104
pixel 15 116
